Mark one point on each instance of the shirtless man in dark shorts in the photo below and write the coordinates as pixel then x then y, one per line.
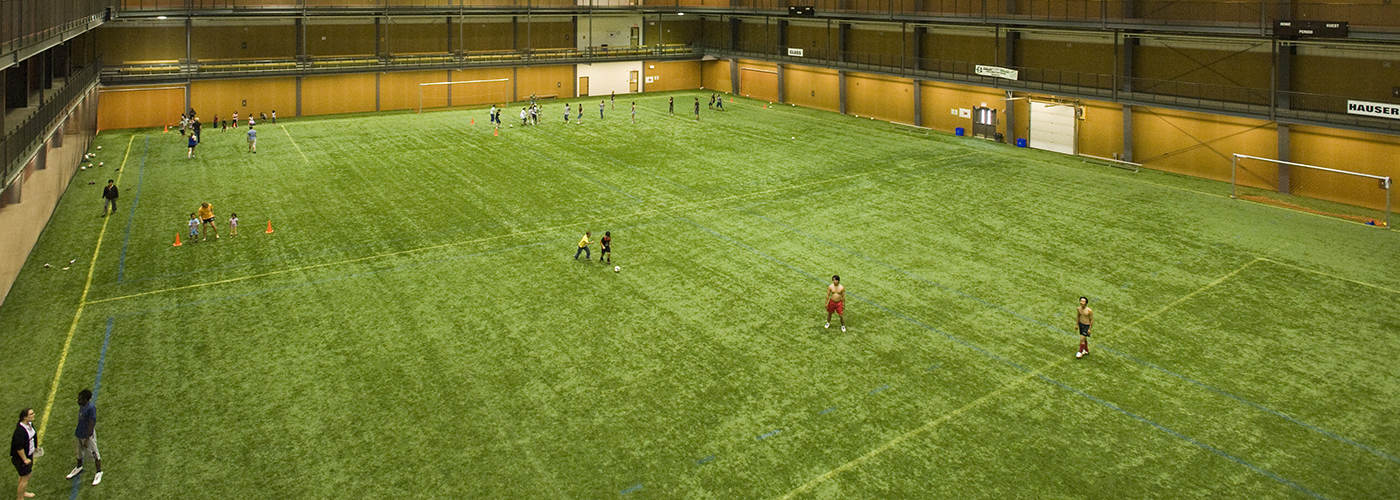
pixel 1085 318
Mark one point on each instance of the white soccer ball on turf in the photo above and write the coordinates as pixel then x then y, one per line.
pixel 617 269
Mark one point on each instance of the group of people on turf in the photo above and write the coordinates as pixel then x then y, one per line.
pixel 202 221
pixel 189 121
pixel 24 447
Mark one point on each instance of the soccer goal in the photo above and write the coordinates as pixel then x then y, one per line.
pixel 464 93
pixel 1363 198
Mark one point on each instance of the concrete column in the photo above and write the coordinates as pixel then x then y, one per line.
pixel 1285 182
pixel 17 86
pixel 450 38
pixel 11 195
pixel 380 42
pixel 1010 119
pixel 300 28
pixel 1283 64
pixel 782 95
pixel 1129 44
pixel 919 33
pixel 918 103
pixel 782 36
pixel 57 139
pixel 1009 46
pixel 298 112
pixel 841 90
pixel 843 35
pixel 1127 132
pixel 734 76
pixel 735 26
pixel 41 157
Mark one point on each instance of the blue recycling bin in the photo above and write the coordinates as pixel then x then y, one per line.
pixel 959 131
pixel 1021 142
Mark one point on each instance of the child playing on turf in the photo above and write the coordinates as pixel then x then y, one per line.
pixel 233 224
pixel 194 228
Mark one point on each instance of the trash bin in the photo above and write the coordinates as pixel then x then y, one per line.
pixel 1000 138
pixel 959 131
pixel 1021 142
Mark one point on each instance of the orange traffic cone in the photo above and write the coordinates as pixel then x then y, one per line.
pixel 473 121
pixel 177 239
pixel 167 129
pixel 765 106
pixel 269 227
pixel 731 100
pixel 496 132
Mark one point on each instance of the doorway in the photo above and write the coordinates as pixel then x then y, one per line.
pixel 632 81
pixel 583 86
pixel 636 36
pixel 984 123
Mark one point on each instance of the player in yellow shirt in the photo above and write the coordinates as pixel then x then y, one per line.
pixel 583 247
pixel 206 218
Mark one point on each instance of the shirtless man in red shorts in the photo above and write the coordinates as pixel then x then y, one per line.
pixel 836 302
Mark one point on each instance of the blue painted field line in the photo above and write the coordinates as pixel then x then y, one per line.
pixel 934 367
pixel 828 410
pixel 121 263
pixel 102 359
pixel 1111 350
pixel 1024 369
pixel 631 489
pixel 769 434
pixel 880 389
pixel 705 460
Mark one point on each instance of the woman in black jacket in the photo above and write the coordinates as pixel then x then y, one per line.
pixel 22 450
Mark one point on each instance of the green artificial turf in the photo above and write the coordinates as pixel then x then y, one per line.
pixel 417 327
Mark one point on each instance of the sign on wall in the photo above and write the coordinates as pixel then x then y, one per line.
pixel 1377 109
pixel 795 52
pixel 998 72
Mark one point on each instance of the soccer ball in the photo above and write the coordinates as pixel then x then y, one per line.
pixel 617 269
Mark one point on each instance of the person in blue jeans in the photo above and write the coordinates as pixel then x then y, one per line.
pixel 583 247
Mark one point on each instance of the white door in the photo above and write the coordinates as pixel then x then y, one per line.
pixel 1054 128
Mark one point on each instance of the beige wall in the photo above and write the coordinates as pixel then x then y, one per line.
pixel 134 107
pixel 416 36
pixel 1200 144
pixel 1373 154
pixel 715 75
pixel 673 75
pixel 811 87
pixel 940 98
pixel 557 81
pixel 758 80
pixel 332 94
pixel 1101 132
pixel 884 98
pixel 262 95
pixel 243 42
pixel 340 39
pixel 122 44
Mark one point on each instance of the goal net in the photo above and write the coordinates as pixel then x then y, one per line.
pixel 464 93
pixel 1355 196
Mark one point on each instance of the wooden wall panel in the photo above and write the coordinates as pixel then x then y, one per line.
pixel 1199 144
pixel 243 42
pixel 876 46
pixel 673 75
pixel 758 36
pixel 1101 131
pixel 882 97
pixel 1224 67
pixel 399 90
pixel 811 87
pixel 262 95
pixel 334 94
pixel 546 81
pixel 1074 62
pixel 958 51
pixel 123 44
pixel 758 80
pixel 548 35
pixel 715 75
pixel 134 107
pixel 1373 154
pixel 817 42
pixel 340 39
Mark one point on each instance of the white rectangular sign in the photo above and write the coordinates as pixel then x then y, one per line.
pixel 1377 109
pixel 1009 74
pixel 795 52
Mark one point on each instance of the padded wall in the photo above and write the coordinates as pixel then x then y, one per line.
pixel 811 87
pixel 133 107
pixel 246 96
pixel 883 97
pixel 332 94
pixel 672 75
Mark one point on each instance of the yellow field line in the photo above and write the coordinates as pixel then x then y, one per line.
pixel 1184 298
pixel 82 302
pixel 1330 275
pixel 294 143
pixel 925 428
pixel 482 240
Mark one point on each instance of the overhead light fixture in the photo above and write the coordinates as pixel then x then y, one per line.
pixel 160 17
pixel 680 13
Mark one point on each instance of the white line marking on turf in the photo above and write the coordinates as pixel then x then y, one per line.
pixel 1330 275
pixel 1184 298
pixel 82 302
pixel 521 233
pixel 294 143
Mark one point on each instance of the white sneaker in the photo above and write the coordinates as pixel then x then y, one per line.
pixel 828 325
pixel 843 328
pixel 1079 354
pixel 97 479
pixel 74 473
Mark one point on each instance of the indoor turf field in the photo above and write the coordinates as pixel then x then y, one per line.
pixel 416 325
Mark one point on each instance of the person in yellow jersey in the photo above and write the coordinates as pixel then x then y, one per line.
pixel 583 247
pixel 206 219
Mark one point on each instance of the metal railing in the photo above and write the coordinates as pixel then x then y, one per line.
pixel 1256 15
pixel 27 22
pixel 20 144
pixel 147 72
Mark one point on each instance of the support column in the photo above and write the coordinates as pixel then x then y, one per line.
pixel 1283 66
pixel 17 86
pixel 1010 118
pixel 57 139
pixel 41 157
pixel 843 35
pixel 300 27
pixel 4 91
pixel 298 112
pixel 841 90
pixel 450 49
pixel 919 33
pixel 1285 184
pixel 1127 132
pixel 380 41
pixel 735 26
pixel 918 102
pixel 1009 46
pixel 1129 59
pixel 734 76
pixel 782 95
pixel 782 36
